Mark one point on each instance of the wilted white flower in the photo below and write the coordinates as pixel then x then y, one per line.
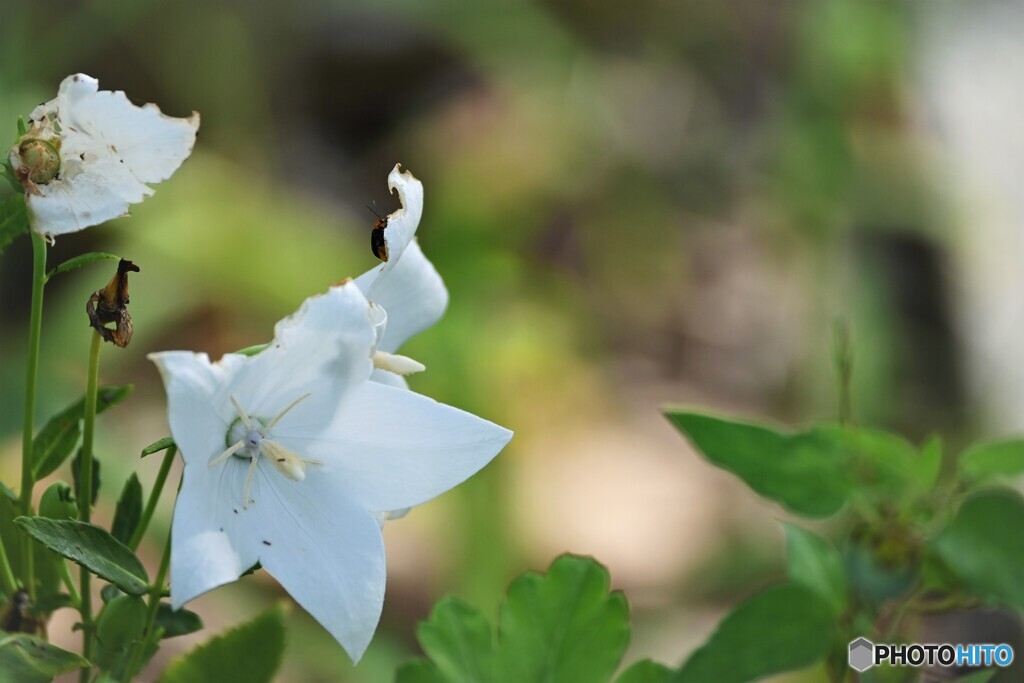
pixel 89 154
pixel 406 287
pixel 289 453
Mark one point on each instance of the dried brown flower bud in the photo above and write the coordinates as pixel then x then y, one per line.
pixel 109 306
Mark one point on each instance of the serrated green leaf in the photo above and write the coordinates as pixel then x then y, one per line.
pixel 783 628
pixel 129 510
pixel 815 563
pixel 563 626
pixel 57 439
pixel 420 671
pixel 645 671
pixel 984 546
pixel 82 260
pixel 13 219
pixel 1003 458
pixel 175 623
pixel 93 548
pixel 26 659
pixel 157 446
pixel 458 640
pixel 804 472
pixel 76 470
pixel 250 653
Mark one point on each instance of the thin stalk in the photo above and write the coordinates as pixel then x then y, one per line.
pixel 7 581
pixel 155 593
pixel 85 491
pixel 35 328
pixel 69 583
pixel 154 498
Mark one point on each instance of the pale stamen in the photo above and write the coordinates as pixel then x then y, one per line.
pixel 241 413
pixel 227 454
pixel 285 411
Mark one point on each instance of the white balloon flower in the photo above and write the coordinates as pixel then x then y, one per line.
pixel 291 452
pixel 88 154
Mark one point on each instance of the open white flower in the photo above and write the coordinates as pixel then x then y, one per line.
pixel 89 154
pixel 289 453
pixel 407 286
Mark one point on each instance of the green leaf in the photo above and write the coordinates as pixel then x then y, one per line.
pixel 983 544
pixel 58 437
pixel 129 510
pixel 177 622
pixel 119 626
pixel 928 465
pixel 93 548
pixel 13 219
pixel 785 627
pixel 253 350
pixel 27 659
pixel 157 446
pixel 815 563
pixel 82 260
pixel 76 469
pixel 458 640
pixel 564 626
pixel 420 671
pixel 804 472
pixel 1004 458
pixel 645 671
pixel 250 653
pixel 47 564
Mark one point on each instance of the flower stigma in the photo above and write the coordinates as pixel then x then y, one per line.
pixel 248 438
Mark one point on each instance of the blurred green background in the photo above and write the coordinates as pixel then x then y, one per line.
pixel 632 204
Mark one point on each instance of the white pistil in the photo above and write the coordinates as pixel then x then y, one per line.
pixel 255 442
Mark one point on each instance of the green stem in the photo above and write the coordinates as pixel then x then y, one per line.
pixel 8 583
pixel 69 583
pixel 34 333
pixel 154 498
pixel 85 490
pixel 155 593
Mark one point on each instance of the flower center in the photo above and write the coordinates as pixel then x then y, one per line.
pixel 249 438
pixel 40 160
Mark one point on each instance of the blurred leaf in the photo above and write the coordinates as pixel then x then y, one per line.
pixel 13 219
pixel 984 545
pixel 82 260
pixel 983 676
pixel 1004 458
pixel 815 563
pixel 564 626
pixel 783 628
pixel 58 437
pixel 118 627
pixel 26 659
pixel 804 472
pixel 928 464
pixel 420 671
pixel 873 580
pixel 250 653
pixel 177 622
pixel 157 446
pixel 894 463
pixel 93 548
pixel 76 468
pixel 129 510
pixel 457 638
pixel 645 671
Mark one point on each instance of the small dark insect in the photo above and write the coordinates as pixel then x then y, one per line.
pixel 266 542
pixel 377 243
pixel 110 306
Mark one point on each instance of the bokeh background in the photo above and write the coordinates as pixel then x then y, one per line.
pixel 633 204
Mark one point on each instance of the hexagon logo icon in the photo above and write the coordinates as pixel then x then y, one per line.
pixel 862 654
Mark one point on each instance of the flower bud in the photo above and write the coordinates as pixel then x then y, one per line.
pixel 38 160
pixel 58 502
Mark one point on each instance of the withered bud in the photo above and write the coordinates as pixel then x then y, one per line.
pixel 109 306
pixel 17 616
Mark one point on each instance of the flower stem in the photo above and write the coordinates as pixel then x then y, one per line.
pixel 85 490
pixel 154 498
pixel 34 333
pixel 155 593
pixel 7 581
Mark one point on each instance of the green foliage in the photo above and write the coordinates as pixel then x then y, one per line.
pixel 805 472
pixel 173 623
pixel 13 220
pixel 76 473
pixel 27 659
pixel 645 671
pixel 1004 458
pixel 57 439
pixel 250 653
pixel 815 563
pixel 46 563
pixel 129 510
pixel 82 260
pixel 983 545
pixel 157 446
pixel 119 628
pixel 93 548
pixel 563 626
pixel 782 628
